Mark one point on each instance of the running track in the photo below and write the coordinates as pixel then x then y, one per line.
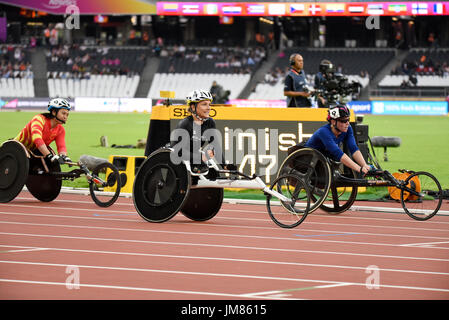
pixel 239 254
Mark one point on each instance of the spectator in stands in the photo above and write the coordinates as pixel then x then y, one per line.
pixel 295 84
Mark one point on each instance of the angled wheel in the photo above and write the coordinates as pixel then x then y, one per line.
pixel 203 204
pixel 42 185
pixel 105 177
pixel 340 198
pixel 311 166
pixel 160 187
pixel 422 196
pixel 289 214
pixel 14 166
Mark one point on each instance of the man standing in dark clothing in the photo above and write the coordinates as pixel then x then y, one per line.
pixel 295 84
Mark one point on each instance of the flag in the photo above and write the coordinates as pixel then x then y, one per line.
pixel 419 8
pixel 277 9
pixel 170 7
pixel 231 9
pixel 296 8
pixel 210 8
pixel 190 8
pixel 255 9
pixel 335 8
pixel 375 9
pixel 397 8
pixel 438 8
pixel 314 9
pixel 356 9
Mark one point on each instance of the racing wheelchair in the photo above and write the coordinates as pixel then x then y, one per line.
pixel 419 193
pixel 163 187
pixel 19 166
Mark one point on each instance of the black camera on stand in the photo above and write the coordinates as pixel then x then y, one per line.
pixel 335 87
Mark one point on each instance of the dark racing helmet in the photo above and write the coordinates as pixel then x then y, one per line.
pixel 337 112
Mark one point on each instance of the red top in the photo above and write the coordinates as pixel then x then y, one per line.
pixel 39 131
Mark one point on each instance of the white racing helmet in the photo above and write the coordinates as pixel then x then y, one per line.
pixel 58 103
pixel 197 96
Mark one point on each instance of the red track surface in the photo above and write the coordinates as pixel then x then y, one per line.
pixel 239 254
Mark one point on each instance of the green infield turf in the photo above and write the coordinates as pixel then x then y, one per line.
pixel 424 138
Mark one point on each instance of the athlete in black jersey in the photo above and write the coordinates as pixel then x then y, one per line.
pixel 199 129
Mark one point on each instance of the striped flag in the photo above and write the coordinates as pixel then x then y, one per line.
pixel 277 9
pixel 296 8
pixel 335 8
pixel 170 7
pixel 255 9
pixel 356 9
pixel 375 9
pixel 231 9
pixel 438 8
pixel 397 8
pixel 210 8
pixel 191 8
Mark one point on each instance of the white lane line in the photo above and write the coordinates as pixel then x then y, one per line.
pixel 262 212
pixel 279 293
pixel 24 250
pixel 231 247
pixel 85 285
pixel 96 252
pixel 221 234
pixel 208 225
pixel 426 245
pixel 224 275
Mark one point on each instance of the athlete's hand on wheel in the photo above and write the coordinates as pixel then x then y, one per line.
pixel 50 159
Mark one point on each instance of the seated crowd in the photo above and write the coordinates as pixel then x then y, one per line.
pixel 14 62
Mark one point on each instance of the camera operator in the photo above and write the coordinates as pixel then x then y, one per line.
pixel 333 88
pixel 324 74
pixel 295 84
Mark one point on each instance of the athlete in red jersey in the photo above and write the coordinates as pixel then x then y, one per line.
pixel 45 128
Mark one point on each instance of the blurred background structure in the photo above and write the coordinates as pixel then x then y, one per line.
pixel 134 49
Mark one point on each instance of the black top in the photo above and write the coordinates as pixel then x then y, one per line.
pixel 197 136
pixel 296 81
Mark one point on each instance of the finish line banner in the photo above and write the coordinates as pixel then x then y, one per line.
pixel 256 139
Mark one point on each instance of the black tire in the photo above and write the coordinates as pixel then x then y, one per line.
pixel 160 187
pixel 203 204
pixel 14 167
pixel 422 197
pixel 337 204
pixel 108 173
pixel 311 166
pixel 43 186
pixel 291 214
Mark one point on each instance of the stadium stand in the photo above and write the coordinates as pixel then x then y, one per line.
pixel 16 75
pixel 429 67
pixel 94 71
pixel 184 69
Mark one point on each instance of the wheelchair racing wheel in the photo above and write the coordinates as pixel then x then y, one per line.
pixel 14 166
pixel 108 173
pixel 335 202
pixel 160 187
pixel 422 196
pixel 314 169
pixel 289 214
pixel 203 203
pixel 42 185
